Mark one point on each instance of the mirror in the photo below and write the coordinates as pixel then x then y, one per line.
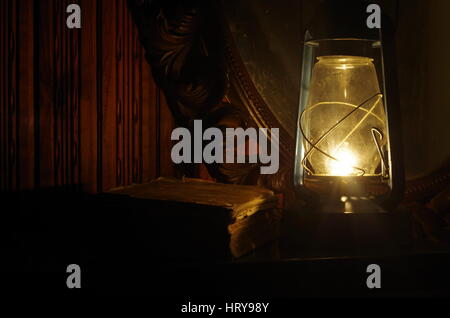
pixel 270 51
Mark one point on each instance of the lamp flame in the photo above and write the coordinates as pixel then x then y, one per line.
pixel 344 164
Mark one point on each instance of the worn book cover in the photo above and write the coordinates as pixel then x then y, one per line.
pixel 197 219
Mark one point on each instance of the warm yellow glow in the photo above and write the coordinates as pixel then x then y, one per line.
pixel 346 160
pixel 344 118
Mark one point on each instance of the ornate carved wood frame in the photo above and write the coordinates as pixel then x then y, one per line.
pixel 198 66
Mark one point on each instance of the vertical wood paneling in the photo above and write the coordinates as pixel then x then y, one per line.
pixel 127 93
pixel 137 110
pixel 78 107
pixel 120 103
pixel 60 96
pixel 90 87
pixel 12 96
pixel 149 122
pixel 75 137
pixel 25 91
pixel 109 93
pixel 167 124
pixel 47 54
pixel 4 31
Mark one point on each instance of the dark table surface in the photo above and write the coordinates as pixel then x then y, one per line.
pixel 311 263
pixel 314 256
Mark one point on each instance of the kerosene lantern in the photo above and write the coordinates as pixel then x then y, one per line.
pixel 344 152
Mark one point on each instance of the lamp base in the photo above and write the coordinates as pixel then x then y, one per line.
pixel 338 186
pixel 369 230
pixel 351 205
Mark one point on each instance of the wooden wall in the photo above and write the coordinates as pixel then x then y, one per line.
pixel 78 106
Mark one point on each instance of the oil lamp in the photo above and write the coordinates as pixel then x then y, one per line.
pixel 344 159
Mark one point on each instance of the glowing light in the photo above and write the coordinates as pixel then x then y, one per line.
pixel 344 164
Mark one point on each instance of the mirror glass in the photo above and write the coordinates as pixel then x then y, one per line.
pixel 269 38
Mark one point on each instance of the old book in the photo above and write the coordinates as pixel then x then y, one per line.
pixel 193 218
